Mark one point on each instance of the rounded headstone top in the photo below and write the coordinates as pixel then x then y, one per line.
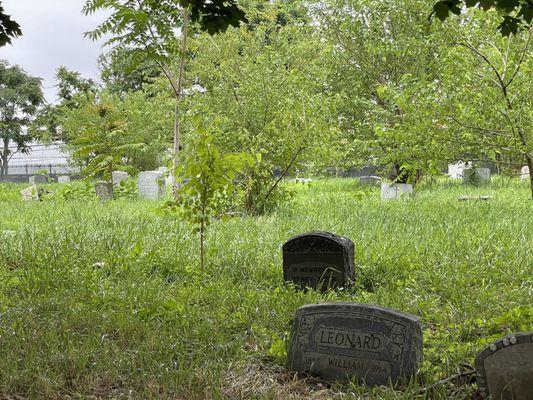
pixel 322 236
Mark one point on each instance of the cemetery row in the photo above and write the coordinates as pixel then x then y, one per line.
pixel 152 184
pixel 375 345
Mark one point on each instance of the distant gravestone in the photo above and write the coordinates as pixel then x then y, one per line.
pixel 341 341
pixel 63 179
pixel 474 176
pixel 318 260
pixel 391 191
pixel 505 369
pixel 370 180
pixel 455 171
pixel 104 190
pixel 524 173
pixel 38 179
pixel 119 176
pixel 469 198
pixel 30 193
pixel 151 185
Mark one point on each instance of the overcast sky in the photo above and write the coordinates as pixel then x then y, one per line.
pixel 52 36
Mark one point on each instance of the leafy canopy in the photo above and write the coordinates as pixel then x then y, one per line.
pixel 8 28
pixel 517 14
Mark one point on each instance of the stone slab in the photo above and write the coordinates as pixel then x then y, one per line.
pixel 391 191
pixel 63 179
pixel 151 185
pixel 504 370
pixel 318 260
pixel 119 176
pixel 104 190
pixel 342 341
pixel 370 180
pixel 475 176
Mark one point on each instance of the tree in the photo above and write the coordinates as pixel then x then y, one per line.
pixel 8 28
pixel 147 30
pixel 516 14
pixel 385 61
pixel 20 96
pixel 107 133
pixel 489 104
pixel 263 84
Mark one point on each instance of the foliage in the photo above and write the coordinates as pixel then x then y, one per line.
pixel 107 133
pixel 210 188
pixel 385 64
pixel 20 95
pixel 8 28
pixel 516 14
pixel 263 84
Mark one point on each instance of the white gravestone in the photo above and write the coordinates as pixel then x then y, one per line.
pixel 476 175
pixel 151 185
pixel 37 179
pixel 524 173
pixel 63 179
pixel 455 171
pixel 119 176
pixel 390 191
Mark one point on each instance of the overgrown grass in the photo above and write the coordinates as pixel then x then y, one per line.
pixel 105 300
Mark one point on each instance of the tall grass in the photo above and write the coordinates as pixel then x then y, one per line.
pixel 105 300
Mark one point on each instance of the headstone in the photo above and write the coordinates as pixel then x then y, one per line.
pixel 38 179
pixel 370 180
pixel 30 193
pixel 371 344
pixel 63 179
pixel 318 260
pixel 524 173
pixel 455 171
pixel 468 198
pixel 505 368
pixel 476 176
pixel 104 190
pixel 119 176
pixel 391 191
pixel 151 184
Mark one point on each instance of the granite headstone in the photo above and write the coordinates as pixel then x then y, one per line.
pixel 119 176
pixel 505 368
pixel 341 341
pixel 151 185
pixel 104 190
pixel 318 260
pixel 63 179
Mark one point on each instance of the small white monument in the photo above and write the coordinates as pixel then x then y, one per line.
pixel 151 185
pixel 38 179
pixel 390 191
pixel 119 176
pixel 524 173
pixel 455 171
pixel 63 179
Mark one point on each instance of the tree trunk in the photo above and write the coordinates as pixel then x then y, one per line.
pixel 177 132
pixel 529 162
pixel 202 245
pixel 4 158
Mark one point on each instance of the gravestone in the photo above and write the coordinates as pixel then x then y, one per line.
pixel 455 171
pixel 63 179
pixel 370 180
pixel 318 260
pixel 119 176
pixel 340 341
pixel 38 179
pixel 504 370
pixel 391 191
pixel 476 176
pixel 524 173
pixel 151 185
pixel 30 193
pixel 104 190
pixel 469 198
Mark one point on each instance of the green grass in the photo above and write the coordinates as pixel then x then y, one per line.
pixel 105 300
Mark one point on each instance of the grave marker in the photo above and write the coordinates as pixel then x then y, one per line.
pixel 476 176
pixel 370 180
pixel 340 341
pixel 318 260
pixel 505 368
pixel 63 179
pixel 119 176
pixel 104 190
pixel 524 173
pixel 38 179
pixel 151 185
pixel 391 191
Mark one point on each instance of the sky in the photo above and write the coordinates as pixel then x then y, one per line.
pixel 52 37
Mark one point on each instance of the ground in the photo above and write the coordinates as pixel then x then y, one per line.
pixel 105 300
